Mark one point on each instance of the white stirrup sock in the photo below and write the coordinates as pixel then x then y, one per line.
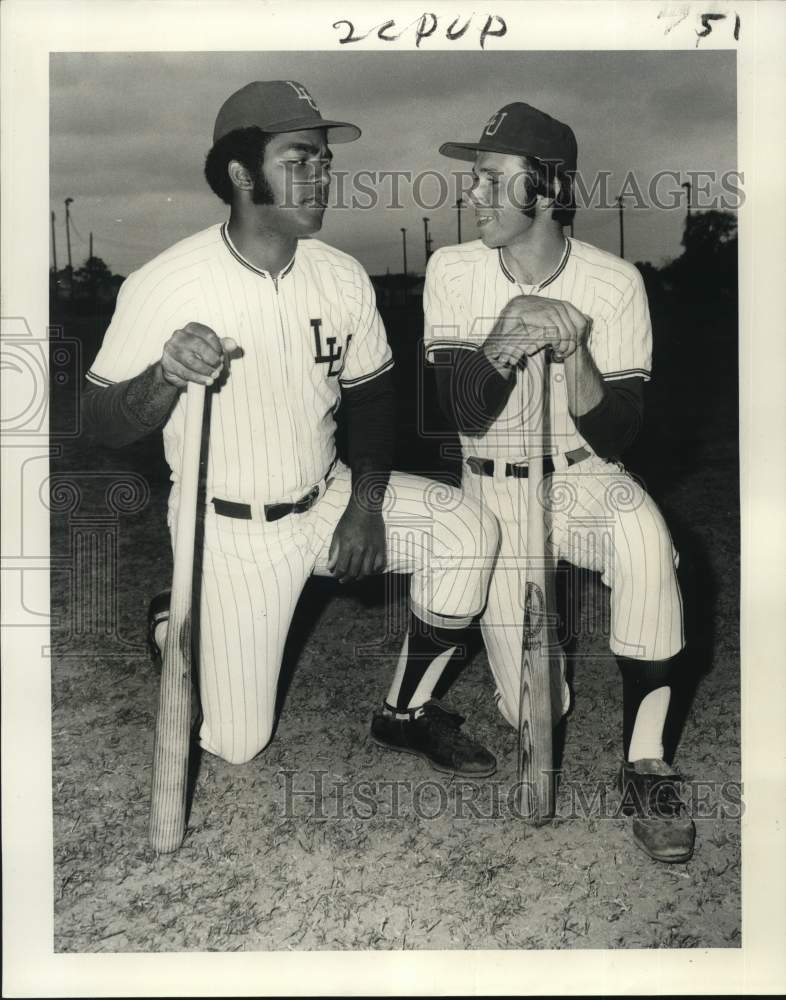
pixel 647 738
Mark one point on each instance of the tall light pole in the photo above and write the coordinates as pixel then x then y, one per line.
pixel 426 237
pixel 68 201
pixel 622 228
pixel 687 235
pixel 54 246
pixel 404 247
pixel 459 206
pixel 687 186
pixel 93 286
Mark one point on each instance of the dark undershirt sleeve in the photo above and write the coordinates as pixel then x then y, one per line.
pixel 470 390
pixel 108 418
pixel 370 412
pixel 611 427
pixel 472 393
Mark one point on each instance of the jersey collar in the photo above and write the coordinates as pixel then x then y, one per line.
pixel 547 281
pixel 247 263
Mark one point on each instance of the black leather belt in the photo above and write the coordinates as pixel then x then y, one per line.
pixel 273 511
pixel 485 466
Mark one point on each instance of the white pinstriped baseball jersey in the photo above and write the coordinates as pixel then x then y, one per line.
pixel 608 524
pixel 467 287
pixel 303 335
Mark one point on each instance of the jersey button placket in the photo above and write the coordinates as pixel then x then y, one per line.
pixel 289 388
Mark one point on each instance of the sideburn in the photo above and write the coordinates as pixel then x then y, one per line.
pixel 262 193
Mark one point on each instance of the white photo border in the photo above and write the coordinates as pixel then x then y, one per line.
pixel 31 29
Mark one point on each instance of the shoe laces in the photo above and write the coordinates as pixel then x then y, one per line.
pixel 448 722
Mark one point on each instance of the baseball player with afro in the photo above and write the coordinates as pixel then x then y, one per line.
pixel 284 329
pixel 525 294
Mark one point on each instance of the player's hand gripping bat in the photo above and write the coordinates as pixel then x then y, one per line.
pixel 534 774
pixel 173 725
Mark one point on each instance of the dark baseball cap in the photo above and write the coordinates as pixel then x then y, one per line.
pixel 277 106
pixel 521 130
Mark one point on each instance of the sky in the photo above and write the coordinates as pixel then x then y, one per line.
pixel 129 134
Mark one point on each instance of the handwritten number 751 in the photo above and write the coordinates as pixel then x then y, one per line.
pixel 706 23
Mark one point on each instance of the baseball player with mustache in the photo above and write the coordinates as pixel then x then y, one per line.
pixel 522 288
pixel 284 329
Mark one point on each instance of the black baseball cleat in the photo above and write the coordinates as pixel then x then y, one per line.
pixel 157 614
pixel 435 735
pixel 661 825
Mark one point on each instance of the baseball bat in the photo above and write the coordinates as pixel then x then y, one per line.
pixel 534 773
pixel 173 724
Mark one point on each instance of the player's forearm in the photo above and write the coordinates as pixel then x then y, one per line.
pixel 472 391
pixel 371 416
pixel 583 381
pixel 123 413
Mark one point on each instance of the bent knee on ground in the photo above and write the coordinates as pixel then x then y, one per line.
pixel 232 750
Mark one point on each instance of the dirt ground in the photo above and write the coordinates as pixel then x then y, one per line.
pixel 326 841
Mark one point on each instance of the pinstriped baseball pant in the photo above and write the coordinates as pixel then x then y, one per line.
pixel 598 518
pixel 253 573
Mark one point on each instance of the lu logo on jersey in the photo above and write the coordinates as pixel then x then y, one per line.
pixel 333 353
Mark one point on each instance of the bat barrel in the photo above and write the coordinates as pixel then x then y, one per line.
pixel 535 750
pixel 170 756
pixel 170 761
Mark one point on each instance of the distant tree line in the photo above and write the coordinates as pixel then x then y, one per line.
pixel 704 274
pixel 91 290
pixel 706 271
